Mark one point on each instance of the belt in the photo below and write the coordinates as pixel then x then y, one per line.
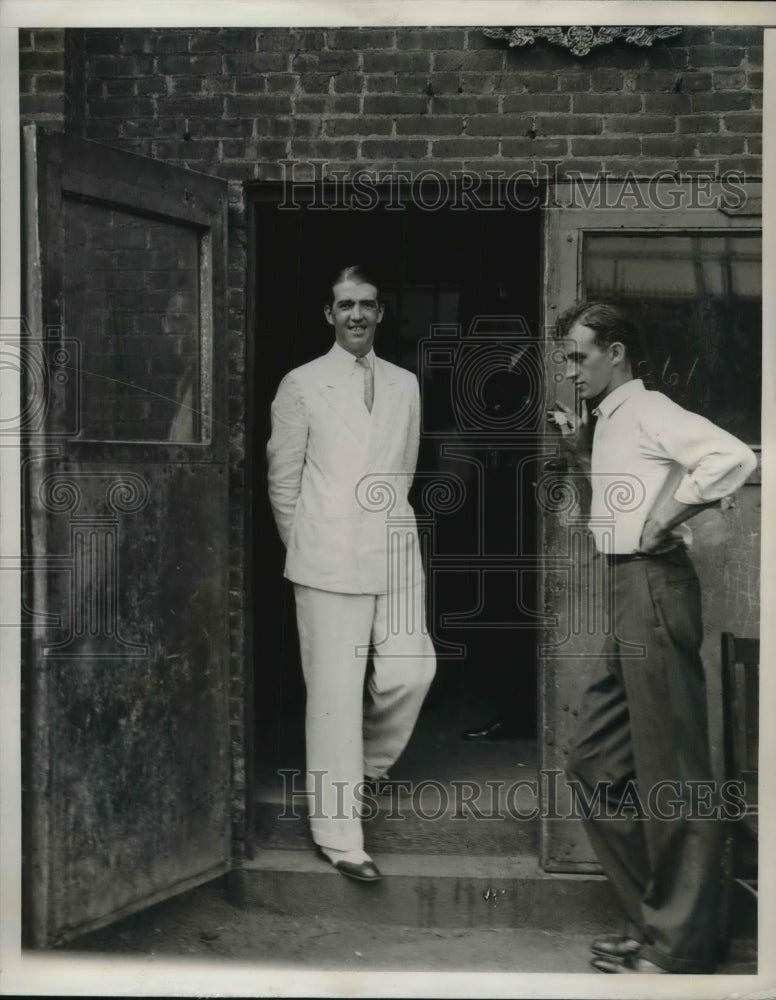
pixel 613 558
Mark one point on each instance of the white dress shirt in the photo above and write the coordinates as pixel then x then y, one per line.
pixel 646 448
pixel 349 362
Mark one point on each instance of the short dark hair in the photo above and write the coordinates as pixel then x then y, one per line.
pixel 610 323
pixel 357 273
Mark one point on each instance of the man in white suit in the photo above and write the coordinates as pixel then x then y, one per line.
pixel 344 444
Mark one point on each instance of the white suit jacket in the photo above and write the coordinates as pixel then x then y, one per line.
pixel 339 475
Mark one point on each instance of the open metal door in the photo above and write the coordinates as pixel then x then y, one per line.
pixel 686 261
pixel 126 723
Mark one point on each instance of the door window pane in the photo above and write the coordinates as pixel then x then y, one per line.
pixel 131 297
pixel 698 300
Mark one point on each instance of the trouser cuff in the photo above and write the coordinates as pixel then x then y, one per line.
pixel 672 964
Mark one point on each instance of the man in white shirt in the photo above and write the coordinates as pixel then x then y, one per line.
pixel 643 717
pixel 342 455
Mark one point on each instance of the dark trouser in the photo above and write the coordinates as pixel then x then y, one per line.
pixel 643 717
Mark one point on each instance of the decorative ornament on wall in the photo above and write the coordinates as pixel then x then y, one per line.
pixel 581 38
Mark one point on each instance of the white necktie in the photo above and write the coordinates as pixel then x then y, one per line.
pixel 369 382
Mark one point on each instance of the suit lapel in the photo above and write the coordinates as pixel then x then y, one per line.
pixel 387 391
pixel 336 388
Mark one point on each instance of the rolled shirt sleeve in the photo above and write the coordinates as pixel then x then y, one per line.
pixel 716 462
pixel 286 451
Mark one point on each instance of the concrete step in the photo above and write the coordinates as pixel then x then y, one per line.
pixel 432 890
pixel 449 818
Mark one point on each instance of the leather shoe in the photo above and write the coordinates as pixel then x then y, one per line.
pixel 497 730
pixel 361 871
pixel 638 965
pixel 366 871
pixel 616 946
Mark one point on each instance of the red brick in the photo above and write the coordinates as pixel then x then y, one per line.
pixel 498 125
pixel 394 104
pixel 640 123
pixel 348 83
pixel 259 149
pixel 569 124
pixel 260 104
pixel 327 104
pixel 149 128
pixel 606 146
pixel 26 82
pixel 192 105
pixel 255 84
pixel 754 144
pixel 325 149
pixel 539 147
pixel 279 40
pixel 608 79
pixel 430 125
pixel 279 83
pixel 461 104
pixel 480 83
pixel 667 104
pixel 392 148
pixel 362 125
pixel 534 103
pixel 255 62
pixel 113 66
pixel 49 83
pixel 123 87
pixel 740 35
pixel 49 40
pixel 754 55
pixel 721 145
pixel 750 166
pixel 41 62
pixel 361 38
pixel 431 38
pixel 577 82
pixel 743 122
pixel 692 35
pixel 200 149
pixel 531 83
pixel 754 81
pixel 729 101
pixel 694 83
pixel 314 83
pixel 380 83
pixel 584 167
pixel 123 107
pixel 224 40
pixel 147 85
pixel 397 62
pixel 464 147
pixel 338 62
pixel 668 146
pixel 728 79
pixel 477 61
pixel 186 65
pixel 607 104
pixel 34 105
pixel 716 55
pixel 693 124
pixel 25 39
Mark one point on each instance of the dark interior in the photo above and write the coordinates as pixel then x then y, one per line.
pixel 469 269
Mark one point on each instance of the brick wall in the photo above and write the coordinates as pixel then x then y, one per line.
pixel 235 102
pixel 42 76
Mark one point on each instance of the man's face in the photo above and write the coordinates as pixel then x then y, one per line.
pixel 354 314
pixel 588 366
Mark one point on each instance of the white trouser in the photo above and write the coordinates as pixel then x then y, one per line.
pixel 347 739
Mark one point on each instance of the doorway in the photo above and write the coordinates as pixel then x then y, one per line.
pixel 454 281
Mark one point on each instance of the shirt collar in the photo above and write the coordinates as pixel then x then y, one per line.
pixel 609 403
pixel 346 359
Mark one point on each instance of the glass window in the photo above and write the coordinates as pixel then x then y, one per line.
pixel 131 296
pixel 698 300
